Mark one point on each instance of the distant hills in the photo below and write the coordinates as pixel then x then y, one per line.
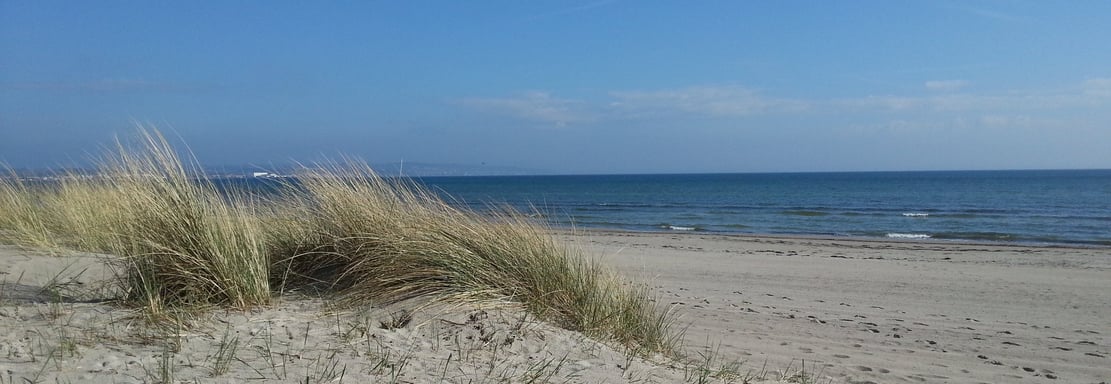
pixel 386 169
pixel 432 169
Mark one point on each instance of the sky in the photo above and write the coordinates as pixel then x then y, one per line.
pixel 574 87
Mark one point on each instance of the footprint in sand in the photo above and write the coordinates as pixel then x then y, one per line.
pixel 992 362
pixel 1062 348
pixel 863 368
pixel 1010 343
pixel 1094 354
pixel 841 356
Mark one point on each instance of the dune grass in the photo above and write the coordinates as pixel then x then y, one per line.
pixel 338 229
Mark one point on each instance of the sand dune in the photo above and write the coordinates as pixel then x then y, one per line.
pixel 56 326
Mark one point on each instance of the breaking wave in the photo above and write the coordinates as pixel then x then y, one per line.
pixel 908 236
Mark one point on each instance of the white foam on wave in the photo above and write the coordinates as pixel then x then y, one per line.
pixel 908 236
pixel 915 214
pixel 678 228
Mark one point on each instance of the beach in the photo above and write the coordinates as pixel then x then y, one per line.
pixel 883 311
pixel 831 310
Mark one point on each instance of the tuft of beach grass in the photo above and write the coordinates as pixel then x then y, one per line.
pixel 181 244
pixel 384 240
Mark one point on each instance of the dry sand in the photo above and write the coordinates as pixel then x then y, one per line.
pixel 57 327
pixel 881 311
pixel 851 311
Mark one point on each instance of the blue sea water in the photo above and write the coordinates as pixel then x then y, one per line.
pixel 1041 207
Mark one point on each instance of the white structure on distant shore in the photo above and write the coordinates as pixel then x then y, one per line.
pixel 263 174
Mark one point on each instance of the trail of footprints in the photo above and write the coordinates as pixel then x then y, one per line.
pixel 894 331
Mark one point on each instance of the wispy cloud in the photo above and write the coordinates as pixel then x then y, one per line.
pixel 690 102
pixel 945 85
pixel 711 101
pixel 535 106
pixel 1090 93
pixel 1014 108
pixel 1097 87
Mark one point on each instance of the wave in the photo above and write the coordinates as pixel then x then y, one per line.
pixel 908 236
pixel 915 214
pixel 968 236
pixel 679 227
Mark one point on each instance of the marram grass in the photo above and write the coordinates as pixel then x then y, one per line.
pixel 179 242
pixel 340 229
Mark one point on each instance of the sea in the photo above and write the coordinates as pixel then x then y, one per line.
pixel 1050 207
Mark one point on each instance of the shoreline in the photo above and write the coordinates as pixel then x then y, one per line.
pixel 862 239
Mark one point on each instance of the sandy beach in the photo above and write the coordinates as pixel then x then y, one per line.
pixel 884 312
pixel 835 310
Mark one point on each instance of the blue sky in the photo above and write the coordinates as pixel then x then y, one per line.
pixel 567 86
